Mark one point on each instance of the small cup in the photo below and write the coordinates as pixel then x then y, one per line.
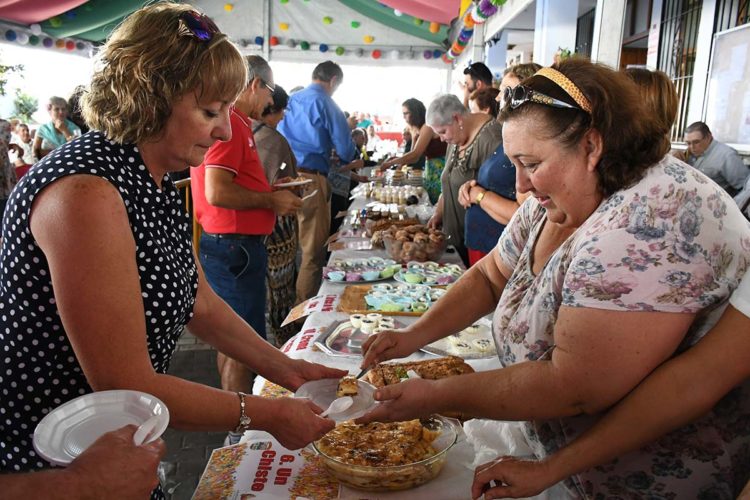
pixel 375 318
pixel 387 323
pixel 368 326
pixel 356 320
pixel 371 275
pixel 336 276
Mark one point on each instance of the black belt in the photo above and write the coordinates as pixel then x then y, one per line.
pixel 234 236
pixel 310 171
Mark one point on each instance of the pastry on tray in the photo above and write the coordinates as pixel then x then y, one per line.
pixel 392 373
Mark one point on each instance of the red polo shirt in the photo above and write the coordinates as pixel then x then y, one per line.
pixel 240 156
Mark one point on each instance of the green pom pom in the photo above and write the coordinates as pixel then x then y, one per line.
pixel 340 51
pixel 304 45
pixel 55 22
pixel 284 1
pixel 356 24
pixel 418 22
pixel 327 20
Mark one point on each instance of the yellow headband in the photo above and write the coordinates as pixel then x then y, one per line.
pixel 569 87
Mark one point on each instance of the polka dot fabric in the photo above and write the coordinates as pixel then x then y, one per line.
pixel 38 368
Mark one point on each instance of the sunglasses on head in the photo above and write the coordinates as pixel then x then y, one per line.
pixel 198 25
pixel 515 96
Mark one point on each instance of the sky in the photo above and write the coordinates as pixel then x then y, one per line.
pixel 376 90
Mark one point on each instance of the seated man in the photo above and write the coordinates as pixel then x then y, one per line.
pixel 715 159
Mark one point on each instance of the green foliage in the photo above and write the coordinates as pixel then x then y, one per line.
pixel 5 72
pixel 25 105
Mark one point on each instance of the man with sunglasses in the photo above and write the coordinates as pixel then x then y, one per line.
pixel 715 159
pixel 476 76
pixel 237 209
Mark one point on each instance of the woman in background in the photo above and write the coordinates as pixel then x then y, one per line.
pixel 282 243
pixel 57 132
pixel 491 200
pixel 485 100
pixel 472 139
pixel 427 150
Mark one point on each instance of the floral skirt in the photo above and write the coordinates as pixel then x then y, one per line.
pixel 433 169
pixel 281 277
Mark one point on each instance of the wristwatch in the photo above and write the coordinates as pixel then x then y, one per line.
pixel 244 423
pixel 479 197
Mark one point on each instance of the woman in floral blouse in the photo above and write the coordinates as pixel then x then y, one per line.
pixel 621 257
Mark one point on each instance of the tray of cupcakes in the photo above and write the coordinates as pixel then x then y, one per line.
pixel 391 299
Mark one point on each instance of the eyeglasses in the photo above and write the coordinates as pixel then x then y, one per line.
pixel 515 96
pixel 198 25
pixel 270 87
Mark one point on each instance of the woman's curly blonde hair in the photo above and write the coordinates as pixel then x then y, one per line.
pixel 147 64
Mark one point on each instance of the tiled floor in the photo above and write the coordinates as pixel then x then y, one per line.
pixel 188 452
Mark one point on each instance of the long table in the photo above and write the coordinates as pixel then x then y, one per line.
pixel 311 481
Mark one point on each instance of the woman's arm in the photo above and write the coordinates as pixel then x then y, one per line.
pixel 217 324
pixel 37 147
pixel 81 225
pixel 112 467
pixel 599 356
pixel 678 392
pixel 483 282
pixel 436 220
pixel 501 209
pixel 425 136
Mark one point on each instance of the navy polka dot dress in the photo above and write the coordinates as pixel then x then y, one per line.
pixel 38 368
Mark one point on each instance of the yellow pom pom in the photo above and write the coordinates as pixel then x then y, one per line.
pixel 369 38
pixel 283 26
pixel 228 7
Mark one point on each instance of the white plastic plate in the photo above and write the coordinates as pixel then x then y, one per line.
pixel 69 429
pixel 293 183
pixel 322 392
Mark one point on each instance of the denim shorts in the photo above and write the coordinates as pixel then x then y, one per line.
pixel 235 267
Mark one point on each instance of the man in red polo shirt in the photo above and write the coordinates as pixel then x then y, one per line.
pixel 237 208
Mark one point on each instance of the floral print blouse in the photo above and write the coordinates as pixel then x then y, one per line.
pixel 674 242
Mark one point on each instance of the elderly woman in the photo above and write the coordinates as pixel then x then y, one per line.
pixel 100 278
pixel 491 200
pixel 424 144
pixel 621 256
pixel 278 162
pixel 472 138
pixel 60 130
pixel 679 391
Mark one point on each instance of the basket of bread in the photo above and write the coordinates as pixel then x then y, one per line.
pixel 413 243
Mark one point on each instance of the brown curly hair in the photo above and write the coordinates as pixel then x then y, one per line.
pixel 631 141
pixel 147 64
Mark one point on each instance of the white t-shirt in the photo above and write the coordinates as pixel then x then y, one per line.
pixel 740 299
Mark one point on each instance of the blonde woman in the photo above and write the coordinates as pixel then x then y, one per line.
pixel 100 278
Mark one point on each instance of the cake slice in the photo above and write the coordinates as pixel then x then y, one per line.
pixel 347 387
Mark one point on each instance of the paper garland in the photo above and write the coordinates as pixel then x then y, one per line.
pixel 32 38
pixel 476 14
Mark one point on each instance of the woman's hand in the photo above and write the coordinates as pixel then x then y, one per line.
pixel 299 371
pixel 436 221
pixel 293 422
pixel 390 344
pixel 511 477
pixel 413 398
pixel 113 466
pixel 388 164
pixel 464 193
